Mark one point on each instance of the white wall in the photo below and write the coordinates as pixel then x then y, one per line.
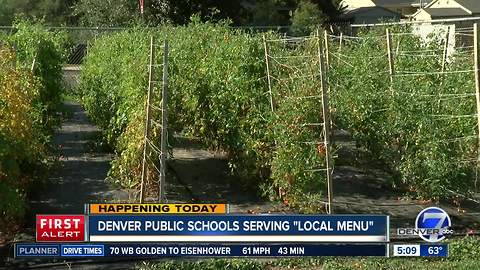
pixel 353 4
pixel 422 15
pixel 425 30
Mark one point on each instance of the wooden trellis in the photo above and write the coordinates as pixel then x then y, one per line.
pixel 317 74
pixel 155 134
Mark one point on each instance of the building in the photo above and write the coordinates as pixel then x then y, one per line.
pixel 447 9
pixel 374 14
pixel 405 8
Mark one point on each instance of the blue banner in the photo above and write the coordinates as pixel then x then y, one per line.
pixel 433 250
pixel 211 250
pixel 238 225
pixel 79 250
pixel 332 228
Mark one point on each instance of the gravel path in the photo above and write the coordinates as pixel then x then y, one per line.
pixel 198 175
pixel 81 172
pixel 78 178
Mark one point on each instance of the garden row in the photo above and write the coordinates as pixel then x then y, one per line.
pixel 30 93
pixel 422 124
pixel 218 91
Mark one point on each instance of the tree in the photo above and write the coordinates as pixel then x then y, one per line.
pixel 127 12
pixel 106 13
pixel 110 13
pixel 331 8
pixel 53 12
pixel 280 12
pixel 306 18
pixel 268 12
pixel 180 12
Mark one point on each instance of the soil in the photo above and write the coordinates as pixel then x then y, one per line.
pixel 198 175
pixel 361 187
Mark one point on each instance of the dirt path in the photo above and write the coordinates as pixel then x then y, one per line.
pixel 204 176
pixel 79 175
pixel 78 178
pixel 363 188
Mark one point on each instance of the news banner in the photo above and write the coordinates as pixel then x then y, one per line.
pixel 209 230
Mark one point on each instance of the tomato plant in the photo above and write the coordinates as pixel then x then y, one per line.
pixel 34 43
pixel 29 102
pixel 20 144
pixel 421 127
pixel 218 92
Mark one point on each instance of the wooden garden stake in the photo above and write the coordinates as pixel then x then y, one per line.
pixel 477 83
pixel 268 72
pixel 163 146
pixel 326 123
pixel 445 49
pixel 341 43
pixel 147 124
pixel 327 52
pixel 391 66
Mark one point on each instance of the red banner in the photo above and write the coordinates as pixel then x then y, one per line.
pixel 60 228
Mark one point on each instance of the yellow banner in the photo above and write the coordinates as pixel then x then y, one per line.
pixel 156 208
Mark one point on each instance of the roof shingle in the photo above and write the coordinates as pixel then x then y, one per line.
pixel 446 12
pixel 388 3
pixel 472 5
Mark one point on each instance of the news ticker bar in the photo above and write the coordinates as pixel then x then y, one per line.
pixel 198 250
pixel 420 250
pixel 219 228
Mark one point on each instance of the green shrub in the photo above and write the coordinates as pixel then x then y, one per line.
pixel 306 18
pixel 12 207
pixel 417 127
pixel 29 102
pixel 217 91
pixel 34 43
pixel 463 254
pixel 234 264
pixel 20 138
pixel 467 248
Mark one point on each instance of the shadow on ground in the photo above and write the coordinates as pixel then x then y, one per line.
pixel 78 178
pixel 361 187
pixel 199 175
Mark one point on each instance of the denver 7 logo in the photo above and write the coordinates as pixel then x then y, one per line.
pixel 433 223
